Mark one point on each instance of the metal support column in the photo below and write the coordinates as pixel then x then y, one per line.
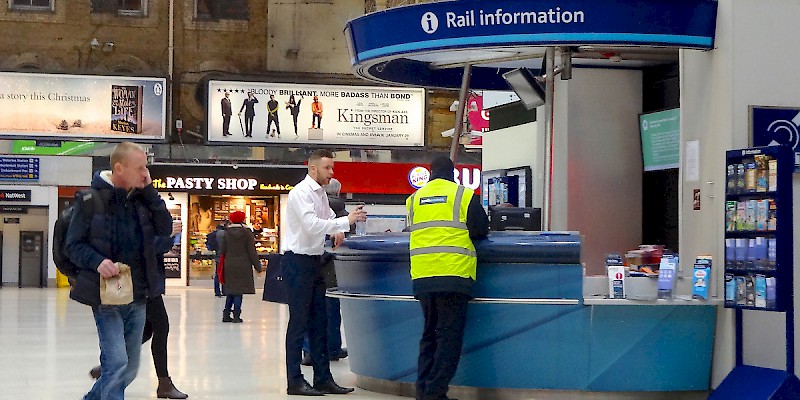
pixel 547 197
pixel 462 104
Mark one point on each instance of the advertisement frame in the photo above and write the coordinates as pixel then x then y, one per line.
pixel 155 81
pixel 212 107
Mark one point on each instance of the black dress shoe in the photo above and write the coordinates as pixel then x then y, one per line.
pixel 303 389
pixel 331 387
pixel 336 355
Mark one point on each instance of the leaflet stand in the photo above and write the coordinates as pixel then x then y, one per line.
pixel 747 382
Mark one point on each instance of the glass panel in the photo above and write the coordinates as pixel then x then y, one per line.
pixel 130 5
pixel 223 9
pixel 31 3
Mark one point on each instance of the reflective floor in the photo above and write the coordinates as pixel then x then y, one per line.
pixel 48 343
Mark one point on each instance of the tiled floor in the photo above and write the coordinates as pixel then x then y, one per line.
pixel 48 343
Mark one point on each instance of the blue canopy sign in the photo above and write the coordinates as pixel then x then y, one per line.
pixel 474 23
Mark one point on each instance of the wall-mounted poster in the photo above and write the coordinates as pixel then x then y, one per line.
pixel 108 108
pixel 173 258
pixel 258 113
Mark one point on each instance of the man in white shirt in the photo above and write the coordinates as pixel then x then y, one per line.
pixel 309 218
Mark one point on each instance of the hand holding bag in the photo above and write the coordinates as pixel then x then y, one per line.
pixel 117 290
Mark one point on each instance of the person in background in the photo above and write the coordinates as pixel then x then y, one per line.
pixel 316 114
pixel 332 306
pixel 156 326
pixel 308 219
pixel 213 243
pixel 272 116
pixel 444 219
pixel 294 109
pixel 239 249
pixel 248 105
pixel 227 111
pixel 125 233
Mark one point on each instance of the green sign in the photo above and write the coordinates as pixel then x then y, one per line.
pixel 51 148
pixel 661 137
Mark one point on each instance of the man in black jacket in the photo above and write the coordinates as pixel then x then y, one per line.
pixel 125 233
pixel 249 113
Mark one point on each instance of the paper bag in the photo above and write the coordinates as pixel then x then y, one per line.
pixel 117 290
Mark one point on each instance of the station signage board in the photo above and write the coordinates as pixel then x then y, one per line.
pixel 19 168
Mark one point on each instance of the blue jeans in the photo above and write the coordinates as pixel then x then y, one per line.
pixel 217 288
pixel 233 302
pixel 120 331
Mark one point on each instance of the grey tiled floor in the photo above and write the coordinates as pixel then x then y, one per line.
pixel 48 343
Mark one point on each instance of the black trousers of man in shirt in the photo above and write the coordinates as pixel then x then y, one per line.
pixel 442 338
pixel 305 290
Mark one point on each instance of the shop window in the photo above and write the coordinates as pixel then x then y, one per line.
pixel 33 5
pixel 222 9
pixel 121 7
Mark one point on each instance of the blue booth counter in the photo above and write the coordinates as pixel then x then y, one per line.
pixel 528 327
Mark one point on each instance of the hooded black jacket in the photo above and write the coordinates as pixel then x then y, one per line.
pixel 125 233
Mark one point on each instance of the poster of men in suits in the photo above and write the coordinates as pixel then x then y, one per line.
pixel 352 115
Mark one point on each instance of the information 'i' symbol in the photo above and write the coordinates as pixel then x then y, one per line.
pixel 429 22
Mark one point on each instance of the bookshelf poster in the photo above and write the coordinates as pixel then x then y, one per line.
pixel 82 107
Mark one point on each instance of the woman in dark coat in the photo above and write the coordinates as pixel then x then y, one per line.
pixel 239 250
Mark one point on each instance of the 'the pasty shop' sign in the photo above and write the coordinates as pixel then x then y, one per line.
pixel 205 183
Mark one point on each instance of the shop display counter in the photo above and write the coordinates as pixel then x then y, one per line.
pixel 529 326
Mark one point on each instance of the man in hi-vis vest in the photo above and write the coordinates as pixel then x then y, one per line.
pixel 443 218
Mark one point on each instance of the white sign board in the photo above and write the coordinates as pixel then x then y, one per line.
pixel 108 108
pixel 288 114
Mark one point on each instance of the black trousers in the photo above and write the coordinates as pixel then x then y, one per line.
pixel 226 124
pixel 440 347
pixel 156 326
pixel 305 290
pixel 270 119
pixel 248 124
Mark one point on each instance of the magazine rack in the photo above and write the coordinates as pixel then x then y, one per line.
pixel 749 184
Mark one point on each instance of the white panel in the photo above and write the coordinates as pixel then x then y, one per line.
pixel 604 175
pixel 514 147
pixel 10 253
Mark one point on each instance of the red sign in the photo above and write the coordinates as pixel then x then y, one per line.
pixel 394 178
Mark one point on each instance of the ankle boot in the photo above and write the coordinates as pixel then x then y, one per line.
pixel 166 390
pixel 226 316
pixel 236 315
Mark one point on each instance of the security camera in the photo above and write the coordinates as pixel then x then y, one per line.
pixel 94 44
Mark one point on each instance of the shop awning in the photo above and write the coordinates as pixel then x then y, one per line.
pixel 428 44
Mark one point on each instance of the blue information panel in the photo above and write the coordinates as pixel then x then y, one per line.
pixel 772 126
pixel 476 23
pixel 19 169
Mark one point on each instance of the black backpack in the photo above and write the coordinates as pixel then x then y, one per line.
pixel 63 263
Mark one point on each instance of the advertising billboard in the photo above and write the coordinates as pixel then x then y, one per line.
pixel 258 113
pixel 108 108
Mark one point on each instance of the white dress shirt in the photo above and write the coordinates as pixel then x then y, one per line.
pixel 309 218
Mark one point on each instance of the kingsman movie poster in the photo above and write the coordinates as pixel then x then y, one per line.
pixel 259 113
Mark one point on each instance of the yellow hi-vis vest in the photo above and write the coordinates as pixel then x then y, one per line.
pixel 440 243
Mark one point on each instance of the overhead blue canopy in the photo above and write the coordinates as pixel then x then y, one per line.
pixel 422 44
